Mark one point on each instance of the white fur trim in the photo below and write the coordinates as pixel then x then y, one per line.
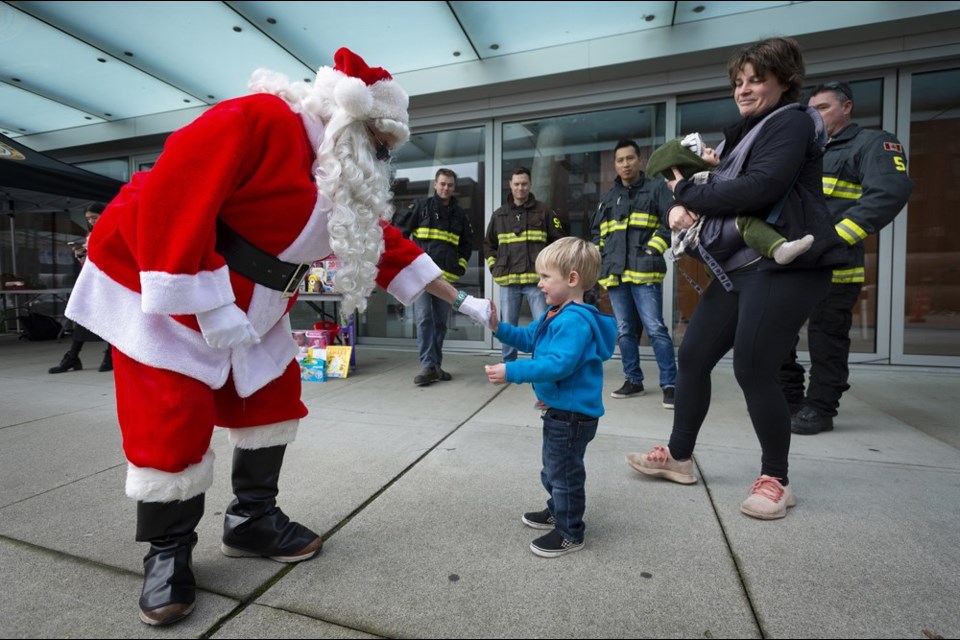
pixel 254 366
pixel 353 96
pixel 264 436
pixel 390 101
pixel 175 293
pixel 152 485
pixel 409 283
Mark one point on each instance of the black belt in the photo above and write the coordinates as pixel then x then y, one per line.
pixel 256 264
pixel 562 415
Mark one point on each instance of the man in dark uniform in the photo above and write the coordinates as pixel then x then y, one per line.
pixel 866 185
pixel 440 227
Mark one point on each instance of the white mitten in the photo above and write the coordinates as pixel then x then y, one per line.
pixel 693 142
pixel 226 327
pixel 477 309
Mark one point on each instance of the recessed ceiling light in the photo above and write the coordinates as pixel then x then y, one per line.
pixel 101 59
pixel 237 29
pixel 187 100
pixel 698 9
pixel 456 54
pixel 109 115
pixel 129 54
pixel 87 118
pixel 16 79
pixel 271 21
pixel 649 18
pixel 209 97
pixel 494 46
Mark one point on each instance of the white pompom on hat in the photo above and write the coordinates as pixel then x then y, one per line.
pixel 366 93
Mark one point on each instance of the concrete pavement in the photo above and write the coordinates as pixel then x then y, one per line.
pixel 419 491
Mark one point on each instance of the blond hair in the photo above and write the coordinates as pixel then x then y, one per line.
pixel 572 254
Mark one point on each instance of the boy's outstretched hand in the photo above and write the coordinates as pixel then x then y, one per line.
pixel 496 373
pixel 493 322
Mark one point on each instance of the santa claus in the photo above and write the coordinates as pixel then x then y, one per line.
pixel 191 273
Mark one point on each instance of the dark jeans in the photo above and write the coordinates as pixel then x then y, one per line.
pixel 565 439
pixel 431 314
pixel 828 333
pixel 759 319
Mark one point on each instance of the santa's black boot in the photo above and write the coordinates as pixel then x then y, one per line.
pixel 253 525
pixel 169 588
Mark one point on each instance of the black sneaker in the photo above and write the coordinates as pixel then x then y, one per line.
pixel 629 390
pixel 426 376
pixel 539 519
pixel 668 396
pixel 809 422
pixel 443 376
pixel 553 545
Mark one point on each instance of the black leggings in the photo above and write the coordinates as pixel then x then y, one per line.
pixel 759 320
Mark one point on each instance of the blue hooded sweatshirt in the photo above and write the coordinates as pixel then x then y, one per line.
pixel 568 349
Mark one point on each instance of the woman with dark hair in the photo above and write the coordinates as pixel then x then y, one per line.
pixel 71 359
pixel 780 150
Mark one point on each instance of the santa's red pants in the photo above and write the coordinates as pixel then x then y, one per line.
pixel 167 418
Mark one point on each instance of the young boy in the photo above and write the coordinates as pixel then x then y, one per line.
pixel 695 161
pixel 569 343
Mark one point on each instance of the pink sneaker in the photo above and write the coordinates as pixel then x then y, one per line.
pixel 659 463
pixel 768 499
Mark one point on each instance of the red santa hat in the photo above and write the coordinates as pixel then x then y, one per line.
pixel 366 93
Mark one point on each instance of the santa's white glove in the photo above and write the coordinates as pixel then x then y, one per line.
pixel 693 142
pixel 477 309
pixel 226 327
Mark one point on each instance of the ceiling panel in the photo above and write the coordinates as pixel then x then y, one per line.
pixel 24 112
pixel 204 49
pixel 504 28
pixel 70 71
pixel 106 61
pixel 401 36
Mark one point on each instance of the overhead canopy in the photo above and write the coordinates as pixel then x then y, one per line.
pixel 24 169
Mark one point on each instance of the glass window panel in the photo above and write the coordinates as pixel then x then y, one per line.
pixel 932 287
pixel 570 158
pixel 414 167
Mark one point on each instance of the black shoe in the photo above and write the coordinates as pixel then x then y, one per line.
pixel 539 519
pixel 426 376
pixel 553 545
pixel 70 361
pixel 668 397
pixel 629 390
pixel 443 376
pixel 809 422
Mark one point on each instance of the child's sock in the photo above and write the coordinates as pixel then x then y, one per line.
pixel 788 251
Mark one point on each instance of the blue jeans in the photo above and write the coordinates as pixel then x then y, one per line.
pixel 431 314
pixel 642 304
pixel 511 299
pixel 565 439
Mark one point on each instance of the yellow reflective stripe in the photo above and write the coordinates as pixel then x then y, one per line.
pixel 449 277
pixel 645 220
pixel 491 261
pixel 632 277
pixel 658 243
pixel 849 276
pixel 841 189
pixel 427 233
pixel 850 231
pixel 527 236
pixel 608 227
pixel 517 278
pixel 610 281
pixel 462 262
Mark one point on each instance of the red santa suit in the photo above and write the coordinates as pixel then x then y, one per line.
pixel 152 266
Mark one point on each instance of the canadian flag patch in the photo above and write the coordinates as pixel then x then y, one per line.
pixel 893 146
